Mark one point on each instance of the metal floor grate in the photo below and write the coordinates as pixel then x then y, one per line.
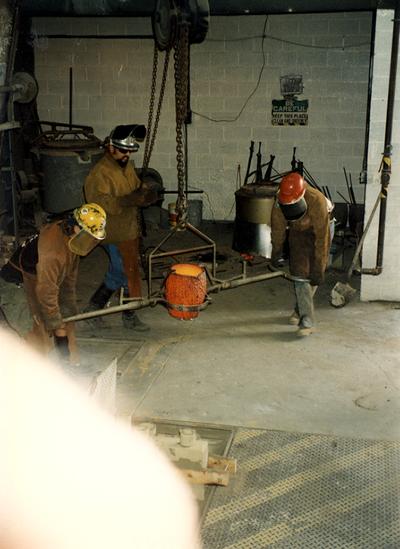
pixel 299 491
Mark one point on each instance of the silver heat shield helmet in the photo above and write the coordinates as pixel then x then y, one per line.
pixel 127 136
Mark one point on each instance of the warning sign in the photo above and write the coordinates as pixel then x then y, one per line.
pixel 289 112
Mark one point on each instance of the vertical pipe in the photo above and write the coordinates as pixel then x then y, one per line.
pixel 70 97
pixel 9 21
pixel 386 161
pixel 6 26
pixel 363 174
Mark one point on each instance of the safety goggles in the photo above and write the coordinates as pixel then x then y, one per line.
pixel 123 151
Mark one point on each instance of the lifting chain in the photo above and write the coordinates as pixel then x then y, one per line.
pixel 181 66
pixel 152 131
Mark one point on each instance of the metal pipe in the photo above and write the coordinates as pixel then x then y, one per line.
pixel 99 36
pixel 361 242
pixel 386 160
pixel 228 284
pixel 176 192
pixel 151 302
pixel 363 174
pixel 183 251
pixel 71 86
pixel 139 304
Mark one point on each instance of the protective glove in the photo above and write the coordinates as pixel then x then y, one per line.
pixel 316 278
pixel 141 197
pixel 61 344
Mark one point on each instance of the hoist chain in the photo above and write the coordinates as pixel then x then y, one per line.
pixel 181 66
pixel 152 131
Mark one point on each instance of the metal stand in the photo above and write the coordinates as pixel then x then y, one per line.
pixel 183 225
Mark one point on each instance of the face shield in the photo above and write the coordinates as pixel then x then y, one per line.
pixel 295 211
pixel 127 137
pixel 82 243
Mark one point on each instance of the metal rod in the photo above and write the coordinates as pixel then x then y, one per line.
pixel 182 251
pixel 363 174
pixel 139 304
pixel 176 192
pixel 361 242
pixel 347 185
pixel 228 284
pixel 351 190
pixel 311 179
pixel 345 199
pixel 386 161
pixel 102 37
pixel 249 162
pixel 70 97
pixel 329 193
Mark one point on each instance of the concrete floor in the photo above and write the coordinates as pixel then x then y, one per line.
pixel 240 363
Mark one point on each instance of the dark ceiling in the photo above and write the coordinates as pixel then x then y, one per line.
pixel 141 8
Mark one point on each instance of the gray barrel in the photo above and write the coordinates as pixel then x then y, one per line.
pixel 64 173
pixel 66 155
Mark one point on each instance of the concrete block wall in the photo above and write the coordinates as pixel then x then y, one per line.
pixel 112 86
pixel 386 285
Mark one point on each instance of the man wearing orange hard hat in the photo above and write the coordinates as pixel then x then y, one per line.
pixel 302 214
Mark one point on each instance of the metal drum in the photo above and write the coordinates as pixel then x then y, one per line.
pixel 66 157
pixel 252 230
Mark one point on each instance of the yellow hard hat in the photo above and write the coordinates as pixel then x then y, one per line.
pixel 92 219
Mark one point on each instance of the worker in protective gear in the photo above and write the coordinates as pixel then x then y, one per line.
pixel 114 184
pixel 44 271
pixel 302 214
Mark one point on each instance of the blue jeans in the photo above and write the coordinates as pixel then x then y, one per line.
pixel 115 276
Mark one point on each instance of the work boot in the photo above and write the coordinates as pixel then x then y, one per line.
pixel 294 318
pixel 131 321
pixel 306 327
pixel 99 300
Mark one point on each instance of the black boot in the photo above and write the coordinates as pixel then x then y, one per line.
pixel 98 301
pixel 131 321
pixel 101 297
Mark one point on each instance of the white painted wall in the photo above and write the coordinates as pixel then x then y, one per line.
pixel 385 286
pixel 112 83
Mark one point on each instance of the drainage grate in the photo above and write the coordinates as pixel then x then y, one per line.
pixel 307 491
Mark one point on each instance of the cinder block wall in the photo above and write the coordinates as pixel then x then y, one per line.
pixel 112 83
pixel 385 286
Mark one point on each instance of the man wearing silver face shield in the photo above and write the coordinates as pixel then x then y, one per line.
pixel 114 184
pixel 38 283
pixel 302 214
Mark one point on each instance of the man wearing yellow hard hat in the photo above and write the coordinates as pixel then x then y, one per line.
pixel 38 283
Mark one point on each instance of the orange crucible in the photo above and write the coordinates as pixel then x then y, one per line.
pixel 185 286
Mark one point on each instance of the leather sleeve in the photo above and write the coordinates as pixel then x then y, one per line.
pixel 319 215
pixel 278 231
pixel 48 278
pixel 56 275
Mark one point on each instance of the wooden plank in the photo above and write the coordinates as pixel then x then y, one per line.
pixel 223 463
pixel 203 476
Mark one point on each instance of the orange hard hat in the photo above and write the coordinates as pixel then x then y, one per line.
pixel 291 188
pixel 291 196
